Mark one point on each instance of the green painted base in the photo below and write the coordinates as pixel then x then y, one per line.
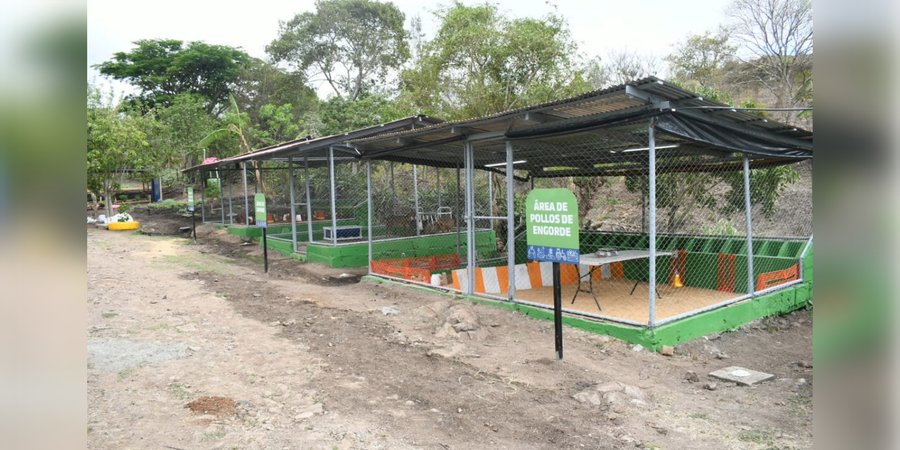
pixel 683 330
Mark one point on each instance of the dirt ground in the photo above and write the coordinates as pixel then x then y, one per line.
pixel 191 346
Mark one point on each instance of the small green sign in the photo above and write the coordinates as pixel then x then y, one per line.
pixel 259 202
pixel 551 218
pixel 190 195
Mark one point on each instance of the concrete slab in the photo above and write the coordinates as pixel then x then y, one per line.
pixel 740 375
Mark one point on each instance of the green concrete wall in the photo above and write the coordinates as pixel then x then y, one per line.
pixel 255 232
pixel 357 255
pixel 719 320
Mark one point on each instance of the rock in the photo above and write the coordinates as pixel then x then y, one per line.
pixel 589 397
pixel 710 386
pixel 409 403
pixel 390 310
pixel 612 416
pixel 805 364
pixel 634 392
pixel 691 376
pixel 462 318
pixel 638 348
pixel 257 294
pixel 721 355
pixel 667 350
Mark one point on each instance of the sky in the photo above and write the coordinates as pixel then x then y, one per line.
pixel 647 27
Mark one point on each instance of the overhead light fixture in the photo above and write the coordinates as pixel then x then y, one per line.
pixel 500 164
pixel 642 149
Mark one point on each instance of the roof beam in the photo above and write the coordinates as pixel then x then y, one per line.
pixel 538 117
pixel 655 102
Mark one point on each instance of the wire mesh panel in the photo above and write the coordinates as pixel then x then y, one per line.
pixel 418 228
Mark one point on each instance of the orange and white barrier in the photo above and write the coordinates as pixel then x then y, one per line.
pixel 495 280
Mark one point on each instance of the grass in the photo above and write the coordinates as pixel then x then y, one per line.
pixel 703 416
pixel 757 437
pixel 179 391
pixel 214 435
pixel 109 315
pixel 124 374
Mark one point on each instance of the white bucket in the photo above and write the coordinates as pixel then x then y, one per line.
pixel 435 279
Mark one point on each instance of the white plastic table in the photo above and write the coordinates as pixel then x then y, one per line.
pixel 595 262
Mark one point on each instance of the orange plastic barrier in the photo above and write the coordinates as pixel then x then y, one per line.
pixel 776 277
pixel 726 270
pixel 416 268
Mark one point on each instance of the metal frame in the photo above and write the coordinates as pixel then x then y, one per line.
pixel 651 280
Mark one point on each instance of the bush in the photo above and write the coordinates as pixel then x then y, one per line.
pixel 167 205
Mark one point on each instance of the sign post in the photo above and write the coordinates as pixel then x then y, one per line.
pixel 551 218
pixel 259 202
pixel 190 207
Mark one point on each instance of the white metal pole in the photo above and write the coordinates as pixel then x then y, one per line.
pixel 221 199
pixel 749 211
pixel 369 210
pixel 202 197
pixel 510 224
pixel 293 203
pixel 416 200
pixel 470 217
pixel 333 195
pixel 246 196
pixel 309 224
pixel 491 197
pixel 230 201
pixel 651 282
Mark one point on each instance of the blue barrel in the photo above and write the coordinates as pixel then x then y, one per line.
pixel 155 191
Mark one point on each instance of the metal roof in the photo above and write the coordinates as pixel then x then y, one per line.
pixel 695 124
pixel 316 149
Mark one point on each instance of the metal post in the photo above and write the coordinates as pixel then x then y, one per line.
pixel 202 197
pixel 221 199
pixel 438 181
pixel 309 217
pixel 749 211
pixel 510 224
pixel 293 203
pixel 333 195
pixel 491 197
pixel 458 209
pixel 369 210
pixel 651 225
pixel 470 217
pixel 416 200
pixel 230 205
pixel 246 196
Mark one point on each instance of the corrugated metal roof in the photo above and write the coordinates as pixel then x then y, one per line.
pixel 308 145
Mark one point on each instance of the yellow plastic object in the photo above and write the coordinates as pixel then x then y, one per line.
pixel 676 281
pixel 122 226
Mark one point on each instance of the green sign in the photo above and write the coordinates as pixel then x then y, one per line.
pixel 551 218
pixel 190 205
pixel 259 202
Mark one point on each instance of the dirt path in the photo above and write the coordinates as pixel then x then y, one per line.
pixel 298 359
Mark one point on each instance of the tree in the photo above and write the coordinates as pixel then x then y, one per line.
pixel 116 144
pixel 778 34
pixel 180 126
pixel 261 83
pixel 164 68
pixel 620 67
pixel 699 61
pixel 481 62
pixel 342 115
pixel 352 44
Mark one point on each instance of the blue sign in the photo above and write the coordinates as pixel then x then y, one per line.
pixel 553 254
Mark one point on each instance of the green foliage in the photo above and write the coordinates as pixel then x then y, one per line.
pixel 164 68
pixel 766 186
pixel 167 205
pixel 116 142
pixel 179 128
pixel 701 59
pixel 721 228
pixel 351 43
pixel 339 115
pixel 481 62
